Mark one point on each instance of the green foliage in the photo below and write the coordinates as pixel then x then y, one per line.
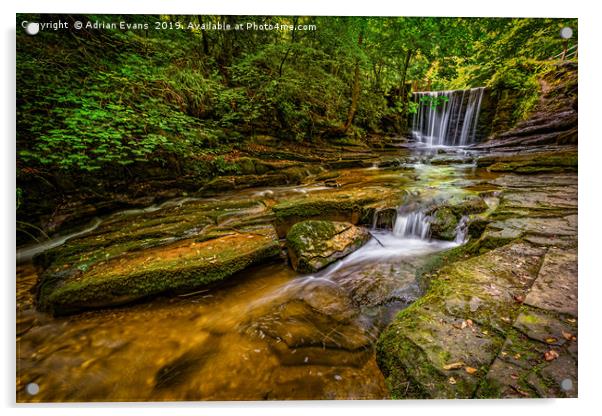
pixel 223 167
pixel 19 197
pixel 92 102
pixel 434 101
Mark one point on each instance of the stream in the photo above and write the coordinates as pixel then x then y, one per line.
pixel 265 333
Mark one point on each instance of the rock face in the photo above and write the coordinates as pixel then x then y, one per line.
pixel 553 120
pixel 312 245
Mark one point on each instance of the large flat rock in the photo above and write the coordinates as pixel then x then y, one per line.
pixel 181 266
pixel 556 288
pixel 442 345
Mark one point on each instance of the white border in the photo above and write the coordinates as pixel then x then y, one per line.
pixel 590 158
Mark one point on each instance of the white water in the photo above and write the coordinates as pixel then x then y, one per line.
pixel 29 252
pixel 450 123
pixel 412 225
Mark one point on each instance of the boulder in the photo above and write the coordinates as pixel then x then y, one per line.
pixel 312 245
pixel 443 224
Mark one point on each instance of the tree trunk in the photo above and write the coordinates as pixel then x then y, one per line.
pixel 403 95
pixel 288 50
pixel 355 92
pixel 204 37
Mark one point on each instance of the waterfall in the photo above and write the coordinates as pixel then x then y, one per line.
pixel 462 230
pixel 447 117
pixel 412 225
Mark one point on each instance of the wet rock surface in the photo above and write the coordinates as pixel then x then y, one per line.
pixel 312 245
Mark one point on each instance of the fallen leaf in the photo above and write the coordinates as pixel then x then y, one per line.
pixel 470 370
pixel 463 325
pixel 469 322
pixel 452 380
pixel 568 336
pixel 454 366
pixel 519 298
pixel 514 376
pixel 551 340
pixel 550 355
pixel 517 356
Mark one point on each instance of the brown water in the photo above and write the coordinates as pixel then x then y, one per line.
pixel 267 333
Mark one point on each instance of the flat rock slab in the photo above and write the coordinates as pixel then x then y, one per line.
pixel 442 345
pixel 556 286
pixel 180 266
pixel 539 357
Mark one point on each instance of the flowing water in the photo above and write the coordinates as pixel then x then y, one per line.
pixel 447 118
pixel 266 333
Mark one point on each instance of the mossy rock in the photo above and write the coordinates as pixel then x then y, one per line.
pixel 443 224
pixel 532 163
pixel 445 218
pixel 312 245
pixel 180 266
pixel 344 205
pixel 458 324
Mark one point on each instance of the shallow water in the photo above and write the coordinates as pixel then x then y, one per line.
pixel 266 333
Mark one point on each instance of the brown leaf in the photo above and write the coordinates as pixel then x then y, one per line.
pixel 469 322
pixel 470 370
pixel 454 366
pixel 452 380
pixel 519 298
pixel 550 355
pixel 568 336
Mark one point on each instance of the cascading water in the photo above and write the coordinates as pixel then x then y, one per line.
pixel 448 121
pixel 412 225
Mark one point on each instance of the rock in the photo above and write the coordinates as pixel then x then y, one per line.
pixel 444 219
pixel 314 323
pixel 449 325
pixel 312 245
pixel 179 246
pixel 556 287
pixel 181 266
pixel 443 224
pixel 530 163
pixel 348 205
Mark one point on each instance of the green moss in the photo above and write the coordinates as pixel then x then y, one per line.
pixel 548 162
pixel 305 233
pixel 312 244
pixel 113 283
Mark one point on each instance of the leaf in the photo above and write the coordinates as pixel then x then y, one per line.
pixel 551 340
pixel 551 355
pixel 454 366
pixel 451 380
pixel 470 370
pixel 568 336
